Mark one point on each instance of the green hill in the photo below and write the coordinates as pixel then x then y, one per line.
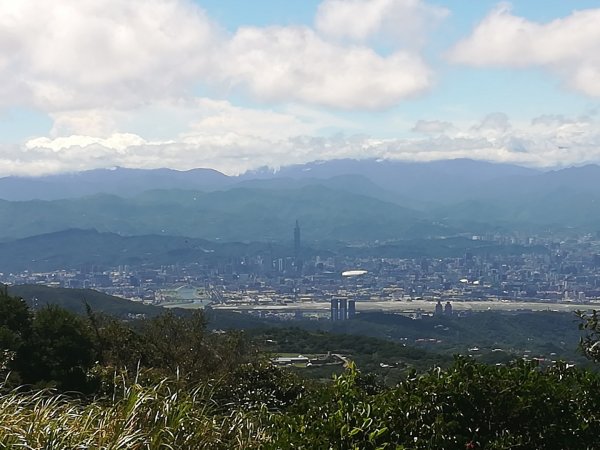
pixel 233 215
pixel 75 300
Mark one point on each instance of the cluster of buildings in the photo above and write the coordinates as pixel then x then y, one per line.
pixel 443 310
pixel 342 309
pixel 559 270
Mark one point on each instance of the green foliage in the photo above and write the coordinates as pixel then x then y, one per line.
pixel 590 341
pixel 177 348
pixel 57 348
pixel 59 351
pixel 540 333
pixel 369 353
pixel 258 385
pixel 168 382
pixel 182 345
pixel 470 404
pixel 15 324
pixel 494 407
pixel 341 415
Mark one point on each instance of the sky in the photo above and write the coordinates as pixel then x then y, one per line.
pixel 238 85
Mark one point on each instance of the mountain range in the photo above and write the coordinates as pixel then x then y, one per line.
pixel 448 179
pixel 340 200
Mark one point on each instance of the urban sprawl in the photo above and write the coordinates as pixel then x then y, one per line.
pixel 562 275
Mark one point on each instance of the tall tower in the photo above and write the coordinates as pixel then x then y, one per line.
pixel 351 309
pixel 334 309
pixel 297 241
pixel 343 311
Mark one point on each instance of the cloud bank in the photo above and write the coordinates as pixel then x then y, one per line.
pixel 397 22
pixel 79 54
pixel 567 46
pixel 543 142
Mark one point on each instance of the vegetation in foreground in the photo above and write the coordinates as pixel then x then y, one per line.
pixel 146 392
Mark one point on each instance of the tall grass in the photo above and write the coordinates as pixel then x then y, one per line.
pixel 158 417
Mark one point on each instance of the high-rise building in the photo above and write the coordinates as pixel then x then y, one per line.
pixel 351 309
pixel 334 309
pixel 297 250
pixel 343 309
pixel 448 309
pixel 297 241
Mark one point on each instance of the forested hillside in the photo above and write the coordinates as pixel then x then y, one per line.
pixel 168 382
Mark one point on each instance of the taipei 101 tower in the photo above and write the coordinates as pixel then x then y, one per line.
pixel 297 242
pixel 297 260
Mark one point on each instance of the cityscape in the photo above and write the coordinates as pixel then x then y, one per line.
pixel 555 275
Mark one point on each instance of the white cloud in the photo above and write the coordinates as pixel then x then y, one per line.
pixel 76 54
pixel 550 120
pixel 211 143
pixel 117 142
pixel 398 22
pixel 568 46
pixel 214 117
pixel 493 126
pixel 295 63
pixel 182 117
pixel 89 122
pixel 432 126
pixel 217 134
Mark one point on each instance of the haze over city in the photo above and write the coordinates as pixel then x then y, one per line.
pixel 236 85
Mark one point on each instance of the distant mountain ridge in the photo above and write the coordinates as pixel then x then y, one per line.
pixel 387 175
pixel 81 249
pixel 239 214
pixel 345 200
pixel 405 183
pixel 117 181
pixel 436 181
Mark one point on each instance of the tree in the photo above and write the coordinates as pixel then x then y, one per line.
pixel 590 341
pixel 182 346
pixel 58 352
pixel 15 329
pixel 15 321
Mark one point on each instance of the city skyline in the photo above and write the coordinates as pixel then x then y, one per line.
pixel 236 85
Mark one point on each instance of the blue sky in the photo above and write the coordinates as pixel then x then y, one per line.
pixel 236 85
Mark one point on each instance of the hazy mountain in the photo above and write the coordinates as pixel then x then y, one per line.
pixel 82 249
pixel 77 249
pixel 345 200
pixel 233 215
pixel 408 183
pixel 436 181
pixel 378 168
pixel 561 198
pixel 354 184
pixel 554 208
pixel 118 181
